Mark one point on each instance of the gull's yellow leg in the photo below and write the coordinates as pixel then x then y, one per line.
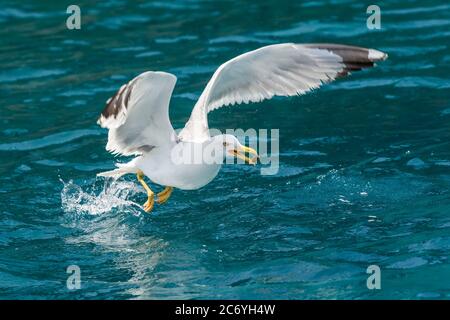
pixel 148 206
pixel 164 195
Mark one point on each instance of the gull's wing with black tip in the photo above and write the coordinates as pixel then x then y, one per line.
pixel 277 70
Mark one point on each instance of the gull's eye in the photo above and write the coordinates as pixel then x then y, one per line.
pixel 225 144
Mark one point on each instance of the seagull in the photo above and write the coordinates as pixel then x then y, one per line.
pixel 137 116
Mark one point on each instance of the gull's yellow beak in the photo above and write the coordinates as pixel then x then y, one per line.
pixel 240 153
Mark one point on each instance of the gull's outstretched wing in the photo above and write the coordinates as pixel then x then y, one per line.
pixel 137 116
pixel 277 70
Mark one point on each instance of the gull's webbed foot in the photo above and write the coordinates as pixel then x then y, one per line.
pixel 149 204
pixel 164 195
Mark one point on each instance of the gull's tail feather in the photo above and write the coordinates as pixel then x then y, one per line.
pixel 117 173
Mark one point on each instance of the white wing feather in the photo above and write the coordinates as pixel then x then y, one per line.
pixel 137 116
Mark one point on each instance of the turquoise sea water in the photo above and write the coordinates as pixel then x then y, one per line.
pixel 364 162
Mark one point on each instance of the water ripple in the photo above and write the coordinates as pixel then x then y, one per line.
pixel 53 139
pixel 28 73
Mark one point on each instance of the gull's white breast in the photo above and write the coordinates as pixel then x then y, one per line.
pixel 164 167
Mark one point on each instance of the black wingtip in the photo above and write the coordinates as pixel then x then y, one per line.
pixel 354 58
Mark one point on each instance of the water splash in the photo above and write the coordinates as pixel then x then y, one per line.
pixel 95 200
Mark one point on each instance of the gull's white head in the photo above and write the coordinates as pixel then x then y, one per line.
pixel 230 146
